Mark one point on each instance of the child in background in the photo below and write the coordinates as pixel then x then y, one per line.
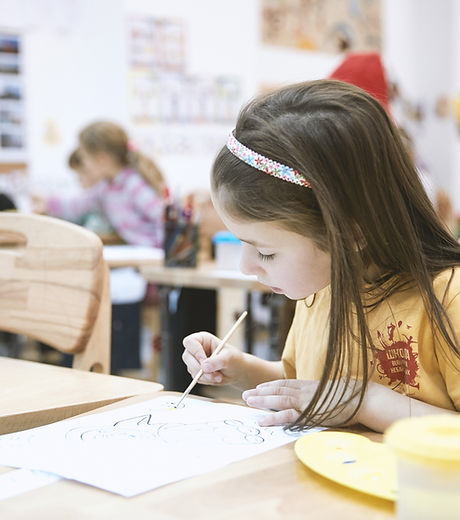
pixel 85 178
pixel 126 186
pixel 317 184
pixel 93 219
pixel 126 189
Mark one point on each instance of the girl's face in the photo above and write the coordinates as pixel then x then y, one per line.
pixel 98 165
pixel 86 177
pixel 289 263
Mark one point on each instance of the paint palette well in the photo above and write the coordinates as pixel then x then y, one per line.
pixel 351 460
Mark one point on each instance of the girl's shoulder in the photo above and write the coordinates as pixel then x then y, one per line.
pixel 130 179
pixel 446 284
pixel 128 174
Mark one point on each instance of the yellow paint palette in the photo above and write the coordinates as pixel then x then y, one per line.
pixel 351 460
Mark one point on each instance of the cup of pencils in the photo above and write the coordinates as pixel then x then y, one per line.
pixel 181 234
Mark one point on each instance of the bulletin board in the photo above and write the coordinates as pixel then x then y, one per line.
pixel 12 125
pixel 172 112
pixel 329 26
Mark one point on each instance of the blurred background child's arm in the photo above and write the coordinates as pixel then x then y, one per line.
pixel 67 208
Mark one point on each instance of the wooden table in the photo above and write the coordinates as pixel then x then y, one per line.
pixel 121 255
pixel 150 264
pixel 33 394
pixel 204 276
pixel 274 485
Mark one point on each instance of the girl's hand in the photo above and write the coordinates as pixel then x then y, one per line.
pixel 289 397
pixel 38 203
pixel 222 369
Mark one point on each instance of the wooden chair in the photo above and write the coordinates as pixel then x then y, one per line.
pixel 54 287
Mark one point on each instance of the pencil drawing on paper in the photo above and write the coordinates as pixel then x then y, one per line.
pixel 144 427
pixel 137 448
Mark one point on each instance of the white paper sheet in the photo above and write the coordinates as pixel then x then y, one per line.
pixel 123 252
pixel 140 447
pixel 19 481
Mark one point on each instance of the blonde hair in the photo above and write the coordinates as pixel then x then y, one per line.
pixel 108 137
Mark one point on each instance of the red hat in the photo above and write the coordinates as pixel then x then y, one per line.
pixel 365 70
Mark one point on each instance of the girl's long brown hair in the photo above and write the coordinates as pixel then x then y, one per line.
pixel 108 137
pixel 367 207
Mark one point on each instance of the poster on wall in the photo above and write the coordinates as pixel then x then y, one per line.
pixel 12 143
pixel 156 45
pixel 172 111
pixel 329 26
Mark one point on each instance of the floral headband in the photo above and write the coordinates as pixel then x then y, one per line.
pixel 262 163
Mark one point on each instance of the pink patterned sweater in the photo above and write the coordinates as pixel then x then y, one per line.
pixel 129 203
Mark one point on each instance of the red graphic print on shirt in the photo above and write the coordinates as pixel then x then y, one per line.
pixel 396 360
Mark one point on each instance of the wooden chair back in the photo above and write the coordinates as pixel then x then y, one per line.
pixel 55 288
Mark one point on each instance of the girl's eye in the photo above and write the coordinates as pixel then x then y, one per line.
pixel 265 257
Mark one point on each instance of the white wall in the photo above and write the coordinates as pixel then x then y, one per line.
pixel 455 185
pixel 221 40
pixel 75 61
pixel 421 47
pixel 280 66
pixel 74 73
pixel 224 39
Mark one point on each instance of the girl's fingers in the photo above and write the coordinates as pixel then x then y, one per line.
pixel 273 402
pixel 194 367
pixel 197 355
pixel 280 395
pixel 194 345
pixel 215 363
pixel 284 394
pixel 283 383
pixel 200 344
pixel 269 390
pixel 279 418
pixel 211 379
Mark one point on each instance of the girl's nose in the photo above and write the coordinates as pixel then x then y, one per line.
pixel 249 263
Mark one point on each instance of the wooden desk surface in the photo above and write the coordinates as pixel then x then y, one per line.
pixel 204 276
pixel 274 485
pixel 34 394
pixel 122 255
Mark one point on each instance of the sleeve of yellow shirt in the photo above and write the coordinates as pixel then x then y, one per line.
pixel 449 362
pixel 289 351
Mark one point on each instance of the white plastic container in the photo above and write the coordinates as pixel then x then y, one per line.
pixel 227 250
pixel 428 467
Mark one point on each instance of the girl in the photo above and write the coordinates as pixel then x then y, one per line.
pixel 127 187
pixel 318 186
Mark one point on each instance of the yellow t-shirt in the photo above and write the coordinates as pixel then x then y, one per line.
pixel 407 359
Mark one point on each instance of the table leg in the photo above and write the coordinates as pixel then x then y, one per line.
pixel 183 311
pixel 249 323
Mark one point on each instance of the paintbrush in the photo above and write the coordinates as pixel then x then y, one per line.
pixel 220 346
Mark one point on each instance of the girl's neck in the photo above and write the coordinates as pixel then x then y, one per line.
pixel 372 273
pixel 113 173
